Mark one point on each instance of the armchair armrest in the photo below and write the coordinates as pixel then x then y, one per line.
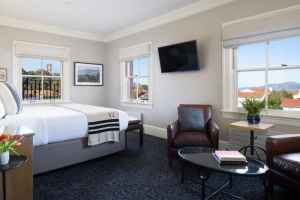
pixel 214 131
pixel 172 130
pixel 282 144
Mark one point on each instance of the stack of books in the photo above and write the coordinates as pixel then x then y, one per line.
pixel 230 158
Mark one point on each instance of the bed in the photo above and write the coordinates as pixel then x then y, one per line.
pixel 61 134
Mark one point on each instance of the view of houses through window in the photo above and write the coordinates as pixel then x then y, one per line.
pixel 270 71
pixel 41 79
pixel 138 78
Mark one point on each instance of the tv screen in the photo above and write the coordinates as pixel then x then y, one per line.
pixel 179 57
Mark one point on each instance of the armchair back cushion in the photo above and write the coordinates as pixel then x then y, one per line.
pixel 192 118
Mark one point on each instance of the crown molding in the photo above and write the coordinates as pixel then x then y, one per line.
pixel 263 15
pixel 192 9
pixel 198 7
pixel 16 23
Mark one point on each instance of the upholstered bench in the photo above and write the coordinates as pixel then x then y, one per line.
pixel 135 123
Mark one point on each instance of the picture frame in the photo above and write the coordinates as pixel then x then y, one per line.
pixel 3 74
pixel 88 74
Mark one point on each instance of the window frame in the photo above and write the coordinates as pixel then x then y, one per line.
pixel 234 60
pixel 66 67
pixel 61 77
pixel 124 97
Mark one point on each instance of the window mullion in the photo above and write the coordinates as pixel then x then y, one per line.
pixel 137 88
pixel 42 87
pixel 235 78
pixel 251 70
pixel 267 57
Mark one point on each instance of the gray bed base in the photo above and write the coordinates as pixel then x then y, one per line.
pixel 61 154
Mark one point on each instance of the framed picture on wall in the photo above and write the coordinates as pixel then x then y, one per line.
pixel 3 74
pixel 88 74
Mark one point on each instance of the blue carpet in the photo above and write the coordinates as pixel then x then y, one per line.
pixel 137 174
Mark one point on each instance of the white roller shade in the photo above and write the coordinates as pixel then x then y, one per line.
pixel 277 24
pixel 135 51
pixel 40 50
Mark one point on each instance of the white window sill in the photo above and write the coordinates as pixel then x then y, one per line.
pixel 147 105
pixel 46 102
pixel 272 116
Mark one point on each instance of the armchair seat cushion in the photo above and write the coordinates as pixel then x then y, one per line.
pixel 288 164
pixel 184 139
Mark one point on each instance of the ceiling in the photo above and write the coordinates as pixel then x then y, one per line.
pixel 100 20
pixel 89 15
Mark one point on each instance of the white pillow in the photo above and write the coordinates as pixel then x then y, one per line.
pixel 2 110
pixel 10 99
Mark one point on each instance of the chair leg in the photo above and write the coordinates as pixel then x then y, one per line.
pixel 171 158
pixel 270 187
pixel 126 132
pixel 170 161
pixel 141 136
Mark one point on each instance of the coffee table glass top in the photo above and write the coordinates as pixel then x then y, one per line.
pixel 203 157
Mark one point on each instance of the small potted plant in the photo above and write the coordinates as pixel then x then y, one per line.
pixel 8 143
pixel 253 108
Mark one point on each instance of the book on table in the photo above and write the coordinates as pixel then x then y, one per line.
pixel 230 158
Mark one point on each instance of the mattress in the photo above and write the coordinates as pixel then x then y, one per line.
pixel 52 123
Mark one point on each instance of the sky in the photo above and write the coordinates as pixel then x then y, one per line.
pixel 140 68
pixel 283 51
pixel 33 64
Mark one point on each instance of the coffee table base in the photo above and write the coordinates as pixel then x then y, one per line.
pixel 205 162
pixel 219 190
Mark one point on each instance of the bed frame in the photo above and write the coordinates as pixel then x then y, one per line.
pixel 61 154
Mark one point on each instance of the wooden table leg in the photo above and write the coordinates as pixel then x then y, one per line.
pixel 251 142
pixel 4 185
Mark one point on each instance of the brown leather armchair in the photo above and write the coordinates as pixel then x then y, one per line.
pixel 283 159
pixel 194 127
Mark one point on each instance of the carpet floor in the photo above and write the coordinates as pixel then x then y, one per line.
pixel 141 174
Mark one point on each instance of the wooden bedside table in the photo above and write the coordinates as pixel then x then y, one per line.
pixel 19 181
pixel 261 127
pixel 14 163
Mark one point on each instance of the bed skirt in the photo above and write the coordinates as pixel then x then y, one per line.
pixel 62 154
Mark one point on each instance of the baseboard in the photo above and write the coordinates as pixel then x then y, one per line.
pixel 162 133
pixel 155 131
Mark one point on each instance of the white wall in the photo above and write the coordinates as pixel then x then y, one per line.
pixel 169 90
pixel 80 50
pixel 201 87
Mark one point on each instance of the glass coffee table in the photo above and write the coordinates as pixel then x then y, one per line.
pixel 204 159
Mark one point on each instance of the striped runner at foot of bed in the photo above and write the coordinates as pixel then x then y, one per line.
pixel 103 131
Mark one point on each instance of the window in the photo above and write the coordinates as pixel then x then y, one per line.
pixel 41 72
pixel 136 74
pixel 41 79
pixel 269 71
pixel 137 80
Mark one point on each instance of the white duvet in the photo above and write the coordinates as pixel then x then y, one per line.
pixel 52 123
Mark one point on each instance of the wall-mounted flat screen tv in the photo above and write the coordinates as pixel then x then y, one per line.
pixel 179 57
